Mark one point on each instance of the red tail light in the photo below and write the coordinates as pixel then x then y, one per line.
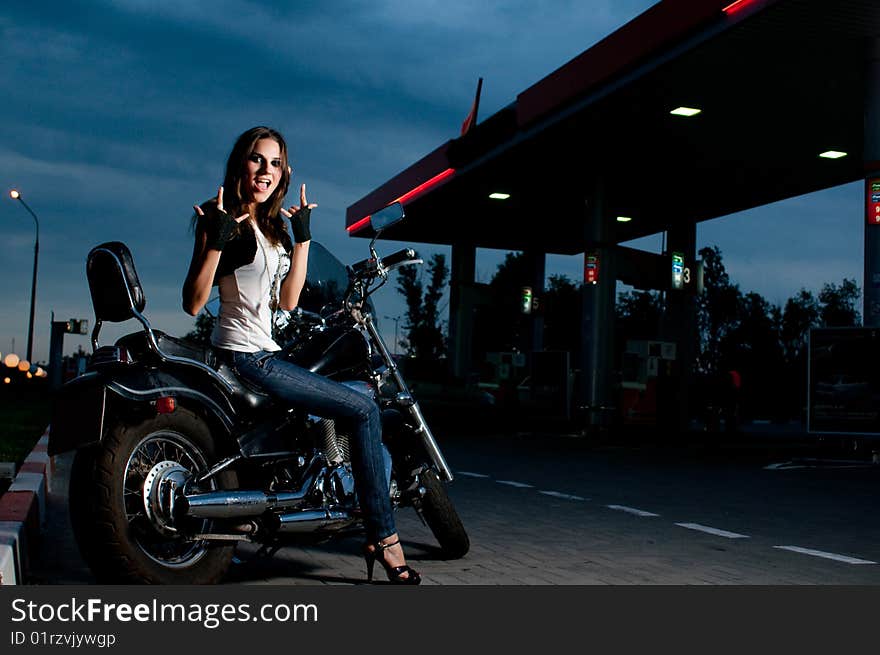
pixel 165 405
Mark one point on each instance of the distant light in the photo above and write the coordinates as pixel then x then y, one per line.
pixel 40 372
pixel 14 194
pixel 624 219
pixel 685 111
pixel 23 365
pixel 29 375
pixel 11 360
pixel 499 196
pixel 832 154
pixel 6 380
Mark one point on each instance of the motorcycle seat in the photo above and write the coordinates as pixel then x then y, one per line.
pixel 246 394
pixel 248 397
pixel 136 344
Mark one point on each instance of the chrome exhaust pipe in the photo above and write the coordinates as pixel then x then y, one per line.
pixel 241 503
pixel 313 519
pixel 225 504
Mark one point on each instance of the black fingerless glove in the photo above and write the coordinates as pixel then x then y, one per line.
pixel 300 224
pixel 219 227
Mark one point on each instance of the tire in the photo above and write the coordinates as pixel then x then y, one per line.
pixel 442 518
pixel 122 545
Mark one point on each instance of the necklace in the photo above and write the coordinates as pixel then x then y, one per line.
pixel 273 290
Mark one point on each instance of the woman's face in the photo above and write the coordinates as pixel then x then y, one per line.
pixel 263 170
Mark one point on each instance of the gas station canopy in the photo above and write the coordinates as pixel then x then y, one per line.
pixel 777 82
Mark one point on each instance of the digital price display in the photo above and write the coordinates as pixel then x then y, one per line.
pixel 526 300
pixel 591 269
pixel 677 270
pixel 872 188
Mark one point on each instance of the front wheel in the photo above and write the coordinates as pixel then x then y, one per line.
pixel 119 535
pixel 442 518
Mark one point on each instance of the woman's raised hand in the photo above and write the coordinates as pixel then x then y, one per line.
pixel 220 225
pixel 300 216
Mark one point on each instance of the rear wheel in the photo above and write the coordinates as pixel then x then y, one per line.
pixel 120 529
pixel 442 518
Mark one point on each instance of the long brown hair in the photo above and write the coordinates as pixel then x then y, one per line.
pixel 268 216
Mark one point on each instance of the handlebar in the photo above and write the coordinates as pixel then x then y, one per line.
pixel 398 257
pixel 371 267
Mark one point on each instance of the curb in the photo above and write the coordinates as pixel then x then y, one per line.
pixel 23 512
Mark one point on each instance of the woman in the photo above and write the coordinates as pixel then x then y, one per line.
pixel 242 245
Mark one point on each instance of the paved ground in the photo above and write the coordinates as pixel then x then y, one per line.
pixel 554 510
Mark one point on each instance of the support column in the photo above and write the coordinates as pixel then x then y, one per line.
pixel 597 328
pixel 681 327
pixel 871 285
pixel 461 314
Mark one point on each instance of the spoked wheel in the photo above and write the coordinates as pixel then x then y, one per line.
pixel 122 497
pixel 161 459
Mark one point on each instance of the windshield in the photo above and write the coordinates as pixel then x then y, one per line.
pixel 326 280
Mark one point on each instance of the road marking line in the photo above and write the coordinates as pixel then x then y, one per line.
pixel 557 494
pixel 715 531
pixel 471 475
pixel 819 464
pixel 631 510
pixel 820 553
pixel 519 485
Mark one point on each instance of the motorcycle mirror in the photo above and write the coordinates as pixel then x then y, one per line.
pixel 385 218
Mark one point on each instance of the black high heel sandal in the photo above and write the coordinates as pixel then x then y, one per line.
pixel 394 573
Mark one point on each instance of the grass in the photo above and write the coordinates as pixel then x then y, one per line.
pixel 25 412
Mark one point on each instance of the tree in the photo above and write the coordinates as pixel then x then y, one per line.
pixel 801 313
pixel 799 316
pixel 752 347
pixel 718 309
pixel 638 315
pixel 499 324
pixel 561 308
pixel 423 334
pixel 838 304
pixel 202 332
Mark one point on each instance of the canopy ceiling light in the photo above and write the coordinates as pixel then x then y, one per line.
pixel 685 111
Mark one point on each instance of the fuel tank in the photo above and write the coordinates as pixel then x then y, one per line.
pixel 335 352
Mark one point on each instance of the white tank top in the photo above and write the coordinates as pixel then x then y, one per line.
pixel 246 300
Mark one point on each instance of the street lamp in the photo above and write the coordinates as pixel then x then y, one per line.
pixel 396 319
pixel 15 195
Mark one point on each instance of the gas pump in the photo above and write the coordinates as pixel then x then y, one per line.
pixel 648 369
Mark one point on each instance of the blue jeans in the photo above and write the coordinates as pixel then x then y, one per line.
pixel 354 414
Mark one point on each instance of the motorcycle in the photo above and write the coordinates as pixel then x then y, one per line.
pixel 178 460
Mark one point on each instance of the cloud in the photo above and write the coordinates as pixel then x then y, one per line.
pixel 118 115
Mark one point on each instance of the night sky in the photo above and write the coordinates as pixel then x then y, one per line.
pixel 117 116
